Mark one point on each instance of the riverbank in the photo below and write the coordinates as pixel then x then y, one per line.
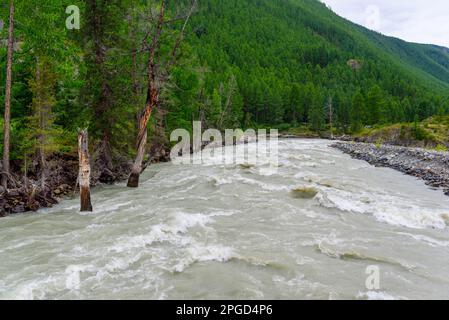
pixel 27 193
pixel 430 166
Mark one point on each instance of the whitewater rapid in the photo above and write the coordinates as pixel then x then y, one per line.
pixel 238 232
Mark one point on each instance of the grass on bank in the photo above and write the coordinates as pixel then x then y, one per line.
pixel 432 133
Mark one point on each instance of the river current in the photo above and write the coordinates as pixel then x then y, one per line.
pixel 309 228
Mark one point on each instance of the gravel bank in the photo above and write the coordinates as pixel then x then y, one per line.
pixel 431 166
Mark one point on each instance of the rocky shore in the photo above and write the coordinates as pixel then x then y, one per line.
pixel 430 166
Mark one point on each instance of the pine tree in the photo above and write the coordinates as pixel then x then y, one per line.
pixel 215 109
pixel 374 105
pixel 294 110
pixel 357 110
pixel 104 19
pixel 42 132
pixel 316 114
pixel 7 119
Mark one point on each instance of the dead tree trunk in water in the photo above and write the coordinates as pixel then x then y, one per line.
pixel 84 170
pixel 133 181
pixel 154 88
pixel 7 123
pixel 152 101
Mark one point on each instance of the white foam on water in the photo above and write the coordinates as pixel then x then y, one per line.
pixel 306 176
pixel 309 164
pixel 184 190
pixel 270 171
pixel 204 253
pixel 189 178
pixel 299 157
pixel 223 213
pixel 328 162
pixel 35 289
pixel 302 261
pixel 73 272
pixel 388 209
pixel 171 232
pixel 108 207
pixel 220 181
pixel 263 185
pixel 183 221
pixel 376 295
pixel 428 240
pixel 20 244
pixel 299 283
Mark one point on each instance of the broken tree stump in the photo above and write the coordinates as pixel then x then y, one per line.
pixel 84 171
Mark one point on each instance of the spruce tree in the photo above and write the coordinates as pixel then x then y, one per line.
pixel 357 111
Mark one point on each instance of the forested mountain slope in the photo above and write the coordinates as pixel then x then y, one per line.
pixel 290 56
pixel 430 59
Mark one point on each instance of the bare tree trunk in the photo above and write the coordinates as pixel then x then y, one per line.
pixel 152 101
pixel 133 181
pixel 181 34
pixel 331 115
pixel 84 171
pixel 154 89
pixel 7 123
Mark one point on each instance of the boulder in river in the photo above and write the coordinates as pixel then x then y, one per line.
pixel 304 193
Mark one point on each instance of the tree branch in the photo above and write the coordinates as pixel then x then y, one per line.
pixel 181 35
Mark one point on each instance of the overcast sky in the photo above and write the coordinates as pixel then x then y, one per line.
pixel 422 21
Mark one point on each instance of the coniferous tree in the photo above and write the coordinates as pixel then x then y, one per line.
pixel 7 118
pixel 357 111
pixel 316 114
pixel 102 43
pixel 374 105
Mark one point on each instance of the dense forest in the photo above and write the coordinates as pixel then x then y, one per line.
pixel 291 57
pixel 227 63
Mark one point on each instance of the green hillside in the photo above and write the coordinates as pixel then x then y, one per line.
pixel 290 56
